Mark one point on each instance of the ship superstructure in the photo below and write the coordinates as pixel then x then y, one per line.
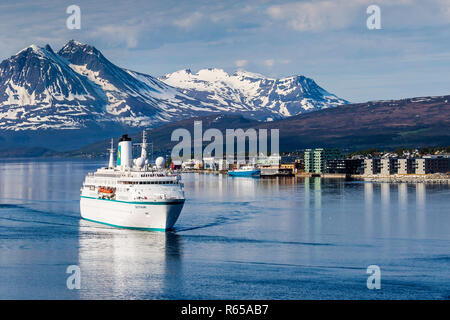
pixel 131 193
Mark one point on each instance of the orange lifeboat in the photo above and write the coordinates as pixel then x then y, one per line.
pixel 105 190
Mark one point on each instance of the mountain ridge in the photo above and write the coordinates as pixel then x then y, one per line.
pixel 79 89
pixel 412 122
pixel 285 96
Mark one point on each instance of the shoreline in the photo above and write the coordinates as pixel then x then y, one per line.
pixel 441 178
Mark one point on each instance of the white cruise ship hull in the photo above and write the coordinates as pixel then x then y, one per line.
pixel 158 215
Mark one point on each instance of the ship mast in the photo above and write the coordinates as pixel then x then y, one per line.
pixel 144 145
pixel 111 155
pixel 142 160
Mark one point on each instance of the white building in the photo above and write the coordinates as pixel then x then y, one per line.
pixel 405 166
pixel 372 166
pixel 192 164
pixel 224 165
pixel 388 166
pixel 269 161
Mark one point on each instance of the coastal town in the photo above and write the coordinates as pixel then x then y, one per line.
pixel 400 166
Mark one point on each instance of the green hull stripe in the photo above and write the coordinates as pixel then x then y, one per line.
pixel 130 202
pixel 123 227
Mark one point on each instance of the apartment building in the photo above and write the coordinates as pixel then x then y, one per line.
pixel 315 159
pixel 432 165
pixel 372 166
pixel 388 166
pixel 345 166
pixel 406 166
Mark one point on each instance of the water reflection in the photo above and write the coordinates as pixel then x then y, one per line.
pixel 385 208
pixel 368 208
pixel 52 183
pixel 403 208
pixel 127 263
pixel 317 206
pixel 420 208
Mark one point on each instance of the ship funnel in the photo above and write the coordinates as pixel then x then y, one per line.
pixel 124 152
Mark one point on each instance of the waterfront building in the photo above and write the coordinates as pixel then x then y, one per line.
pixel 299 165
pixel 315 159
pixel 210 163
pixel 406 166
pixel 224 165
pixel 308 160
pixel 432 165
pixel 388 166
pixel 345 166
pixel 372 166
pixel 188 165
pixel 269 161
pixel 192 164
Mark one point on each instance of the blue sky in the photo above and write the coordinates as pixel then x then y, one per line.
pixel 325 40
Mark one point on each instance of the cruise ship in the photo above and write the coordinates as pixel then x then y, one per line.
pixel 130 193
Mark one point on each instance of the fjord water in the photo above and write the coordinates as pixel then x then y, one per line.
pixel 237 238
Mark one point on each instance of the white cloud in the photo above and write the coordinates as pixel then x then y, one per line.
pixel 269 62
pixel 189 21
pixel 241 63
pixel 341 14
pixel 118 34
pixel 313 16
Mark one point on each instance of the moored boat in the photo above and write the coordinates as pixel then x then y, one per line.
pixel 245 171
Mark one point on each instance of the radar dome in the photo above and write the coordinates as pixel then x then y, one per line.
pixel 159 162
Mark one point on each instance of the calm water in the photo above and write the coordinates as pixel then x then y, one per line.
pixel 237 238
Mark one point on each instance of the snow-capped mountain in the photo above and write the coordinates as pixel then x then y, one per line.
pixel 78 88
pixel 133 98
pixel 255 94
pixel 39 90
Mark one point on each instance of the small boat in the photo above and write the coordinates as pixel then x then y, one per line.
pixel 245 171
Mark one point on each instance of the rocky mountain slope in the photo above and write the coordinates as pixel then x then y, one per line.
pixel 411 122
